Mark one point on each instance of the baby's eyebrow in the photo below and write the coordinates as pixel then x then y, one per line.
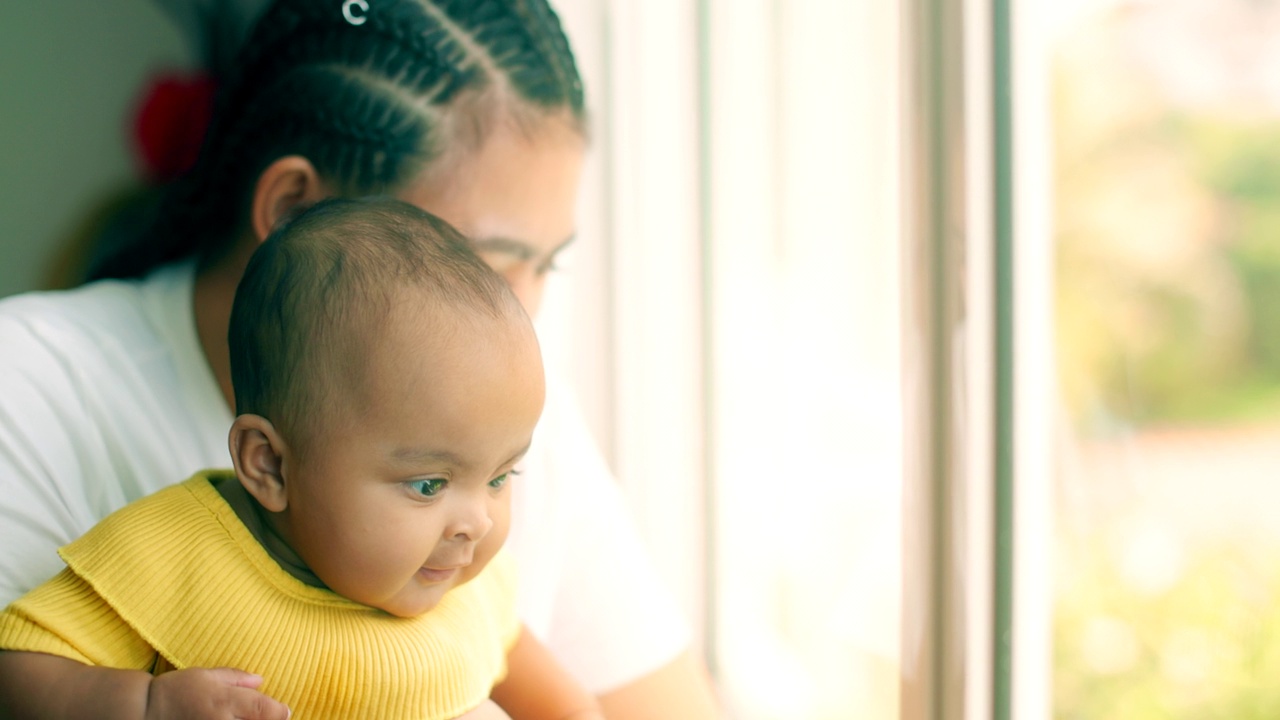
pixel 412 455
pixel 425 454
pixel 521 453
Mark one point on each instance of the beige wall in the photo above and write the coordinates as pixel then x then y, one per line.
pixel 69 73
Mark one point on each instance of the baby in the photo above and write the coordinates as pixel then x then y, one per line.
pixel 387 384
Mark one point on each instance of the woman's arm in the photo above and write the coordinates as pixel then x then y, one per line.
pixel 538 688
pixel 36 686
pixel 680 689
pixel 615 626
pixel 39 686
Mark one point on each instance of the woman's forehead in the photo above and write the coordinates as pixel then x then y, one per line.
pixel 522 190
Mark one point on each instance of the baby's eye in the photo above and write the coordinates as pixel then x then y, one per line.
pixel 501 480
pixel 427 487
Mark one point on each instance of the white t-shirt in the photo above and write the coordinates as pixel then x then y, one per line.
pixel 105 396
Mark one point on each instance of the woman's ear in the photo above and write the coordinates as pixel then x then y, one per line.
pixel 286 186
pixel 257 452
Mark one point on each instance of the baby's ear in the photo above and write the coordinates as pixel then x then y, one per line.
pixel 257 451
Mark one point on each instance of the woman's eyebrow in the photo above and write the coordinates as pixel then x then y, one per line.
pixel 516 248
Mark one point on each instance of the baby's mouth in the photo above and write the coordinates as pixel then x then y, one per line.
pixel 436 575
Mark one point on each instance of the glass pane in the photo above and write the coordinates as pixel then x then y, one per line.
pixel 804 335
pixel 1167 155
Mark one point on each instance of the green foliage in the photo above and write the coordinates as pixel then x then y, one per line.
pixel 1241 165
pixel 1168 313
pixel 1180 340
pixel 1206 648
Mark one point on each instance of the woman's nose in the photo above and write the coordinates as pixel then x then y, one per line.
pixel 526 282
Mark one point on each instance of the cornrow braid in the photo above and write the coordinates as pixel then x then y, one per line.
pixel 525 41
pixel 369 105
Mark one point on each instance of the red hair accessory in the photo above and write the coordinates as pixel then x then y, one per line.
pixel 170 124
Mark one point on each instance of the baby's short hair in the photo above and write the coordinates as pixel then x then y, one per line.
pixel 316 288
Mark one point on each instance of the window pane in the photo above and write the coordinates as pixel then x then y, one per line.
pixel 1168 275
pixel 804 324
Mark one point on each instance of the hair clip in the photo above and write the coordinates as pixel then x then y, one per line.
pixel 348 11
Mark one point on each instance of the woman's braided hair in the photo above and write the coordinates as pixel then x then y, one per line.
pixel 369 104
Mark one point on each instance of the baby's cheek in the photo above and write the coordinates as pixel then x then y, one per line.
pixel 488 548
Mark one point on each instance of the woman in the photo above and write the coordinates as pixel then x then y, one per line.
pixel 471 110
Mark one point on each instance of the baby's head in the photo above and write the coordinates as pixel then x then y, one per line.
pixel 386 384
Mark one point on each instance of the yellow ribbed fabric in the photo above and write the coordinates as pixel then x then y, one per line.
pixel 178 574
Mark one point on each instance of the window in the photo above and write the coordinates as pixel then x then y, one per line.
pixel 749 330
pixel 1167 184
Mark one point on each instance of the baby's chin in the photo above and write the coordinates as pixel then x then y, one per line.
pixel 406 610
pixel 415 600
pixel 423 592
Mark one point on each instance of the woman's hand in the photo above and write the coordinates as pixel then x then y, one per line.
pixel 211 694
